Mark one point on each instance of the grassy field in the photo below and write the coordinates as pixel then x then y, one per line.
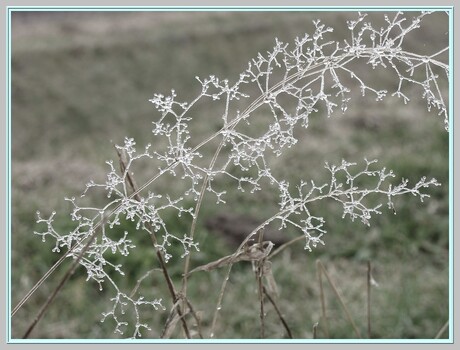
pixel 81 83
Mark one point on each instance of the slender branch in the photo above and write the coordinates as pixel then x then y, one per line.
pixel 260 288
pixel 284 246
pixel 442 330
pixel 315 331
pixel 139 281
pixel 278 312
pixel 195 315
pixel 171 321
pixel 323 302
pixel 38 284
pixel 339 297
pixel 219 301
pixel 195 217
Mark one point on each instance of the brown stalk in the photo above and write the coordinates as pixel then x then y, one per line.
pixel 315 331
pixel 284 246
pixel 174 317
pixel 261 299
pixel 278 312
pixel 153 238
pixel 171 322
pixel 195 315
pixel 259 274
pixel 339 297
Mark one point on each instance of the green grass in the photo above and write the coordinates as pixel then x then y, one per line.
pixel 77 90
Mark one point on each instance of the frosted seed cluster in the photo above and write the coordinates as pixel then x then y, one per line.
pixel 292 84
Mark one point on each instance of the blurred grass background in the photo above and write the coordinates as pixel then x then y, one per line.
pixel 82 81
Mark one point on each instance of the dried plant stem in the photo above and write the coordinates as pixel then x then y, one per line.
pixel 139 281
pixel 171 322
pixel 195 315
pixel 261 300
pixel 195 217
pixel 284 246
pixel 323 302
pixel 160 258
pixel 278 312
pixel 315 331
pixel 259 274
pixel 369 276
pixel 38 284
pixel 174 317
pixel 170 287
pixel 321 267
pixel 442 330
pixel 191 235
pixel 219 301
pixel 61 284
pixel 199 202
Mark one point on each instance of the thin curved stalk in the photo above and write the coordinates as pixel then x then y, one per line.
pixel 58 288
pixel 278 312
pixel 442 330
pixel 321 267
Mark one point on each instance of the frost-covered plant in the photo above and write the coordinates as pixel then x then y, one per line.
pixel 293 81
